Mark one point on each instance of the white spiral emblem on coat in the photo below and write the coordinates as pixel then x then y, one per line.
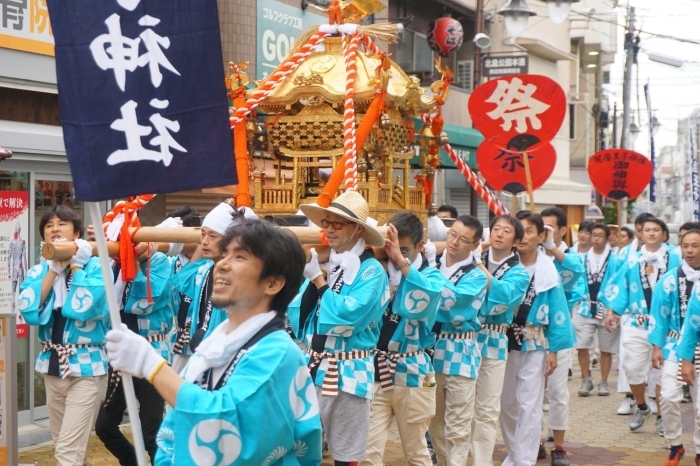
pixel 665 311
pixel 214 442
pixel 670 284
pixel 611 292
pixel 694 321
pixel 369 273
pixel 276 455
pixel 634 287
pixel 166 440
pixel 411 329
pixel 448 299
pixel 542 313
pixel 566 276
pixel 141 306
pixel 26 299
pixel 82 300
pixel 344 331
pixel 85 326
pixel 201 272
pixel 416 301
pixel 651 324
pixel 559 318
pixel 35 271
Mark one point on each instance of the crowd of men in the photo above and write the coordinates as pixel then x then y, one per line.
pixel 259 352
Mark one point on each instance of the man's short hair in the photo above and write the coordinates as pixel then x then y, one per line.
pixel 63 213
pixel 557 212
pixel 628 231
pixel 587 225
pixel 514 222
pixel 189 215
pixel 690 226
pixel 450 209
pixel 280 252
pixel 657 221
pixel 642 218
pixel 407 224
pixel 473 223
pixel 534 218
pixel 601 226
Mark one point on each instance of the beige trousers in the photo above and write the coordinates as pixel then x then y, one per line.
pixel 73 404
pixel 487 409
pixel 450 429
pixel 413 409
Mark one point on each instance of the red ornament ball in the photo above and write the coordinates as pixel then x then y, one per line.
pixel 445 35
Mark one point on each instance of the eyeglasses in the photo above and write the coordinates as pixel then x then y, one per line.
pixel 451 236
pixel 406 251
pixel 598 235
pixel 336 225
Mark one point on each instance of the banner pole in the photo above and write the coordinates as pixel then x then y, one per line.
pixel 528 179
pixel 513 204
pixel 619 215
pixel 127 383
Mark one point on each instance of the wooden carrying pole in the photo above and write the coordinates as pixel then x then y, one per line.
pixel 528 179
pixel 63 251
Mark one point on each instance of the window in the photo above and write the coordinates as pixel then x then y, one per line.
pixel 572 122
pixel 464 77
pixel 413 52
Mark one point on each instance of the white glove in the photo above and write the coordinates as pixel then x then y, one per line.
pixel 133 354
pixel 170 222
pixel 478 253
pixel 549 242
pixel 83 255
pixel 430 253
pixel 312 270
pixel 56 266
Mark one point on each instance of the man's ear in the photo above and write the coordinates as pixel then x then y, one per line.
pixel 274 285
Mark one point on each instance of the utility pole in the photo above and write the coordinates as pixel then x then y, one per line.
pixel 630 48
pixel 479 28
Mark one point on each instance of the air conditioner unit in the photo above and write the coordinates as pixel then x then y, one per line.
pixel 464 77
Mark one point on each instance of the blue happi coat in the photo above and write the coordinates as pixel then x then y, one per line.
pixel 350 319
pixel 407 325
pixel 503 298
pixel 155 319
pixel 176 264
pixel 570 270
pixel 457 314
pixel 666 322
pixel 690 333
pixel 190 282
pixel 581 293
pixel 265 414
pixel 86 314
pixel 625 293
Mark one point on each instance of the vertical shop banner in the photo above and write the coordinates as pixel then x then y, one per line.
pixel 279 25
pixel 14 233
pixel 142 96
pixel 652 148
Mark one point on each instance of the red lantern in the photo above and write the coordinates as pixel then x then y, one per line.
pixel 504 169
pixel 506 107
pixel 619 173
pixel 445 35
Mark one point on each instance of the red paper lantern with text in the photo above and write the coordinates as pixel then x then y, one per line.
pixel 445 35
pixel 504 108
pixel 619 173
pixel 504 169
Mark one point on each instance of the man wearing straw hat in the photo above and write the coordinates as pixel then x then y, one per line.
pixel 344 329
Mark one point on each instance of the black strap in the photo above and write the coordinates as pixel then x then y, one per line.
pixel 504 267
pixel 309 301
pixel 685 287
pixel 594 282
pixel 185 300
pixel 455 279
pixel 276 324
pixel 205 311
pixel 520 318
pixel 57 330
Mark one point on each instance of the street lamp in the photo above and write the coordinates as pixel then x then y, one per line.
pixel 515 16
pixel 634 132
pixel 559 9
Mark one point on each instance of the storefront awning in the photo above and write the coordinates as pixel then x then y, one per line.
pixel 463 140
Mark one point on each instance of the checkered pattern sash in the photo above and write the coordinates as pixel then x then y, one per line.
pixel 116 376
pixel 641 319
pixel 183 340
pixel 329 387
pixel 457 336
pixel 528 332
pixel 495 328
pixel 63 351
pixel 387 366
pixel 696 360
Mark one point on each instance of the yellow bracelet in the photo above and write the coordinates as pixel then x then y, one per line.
pixel 158 367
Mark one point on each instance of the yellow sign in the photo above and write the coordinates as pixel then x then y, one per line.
pixel 25 25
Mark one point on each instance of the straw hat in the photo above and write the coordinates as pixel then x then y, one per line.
pixel 351 206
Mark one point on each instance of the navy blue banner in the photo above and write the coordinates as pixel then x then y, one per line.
pixel 142 96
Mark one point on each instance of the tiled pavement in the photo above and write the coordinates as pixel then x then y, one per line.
pixel 597 437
